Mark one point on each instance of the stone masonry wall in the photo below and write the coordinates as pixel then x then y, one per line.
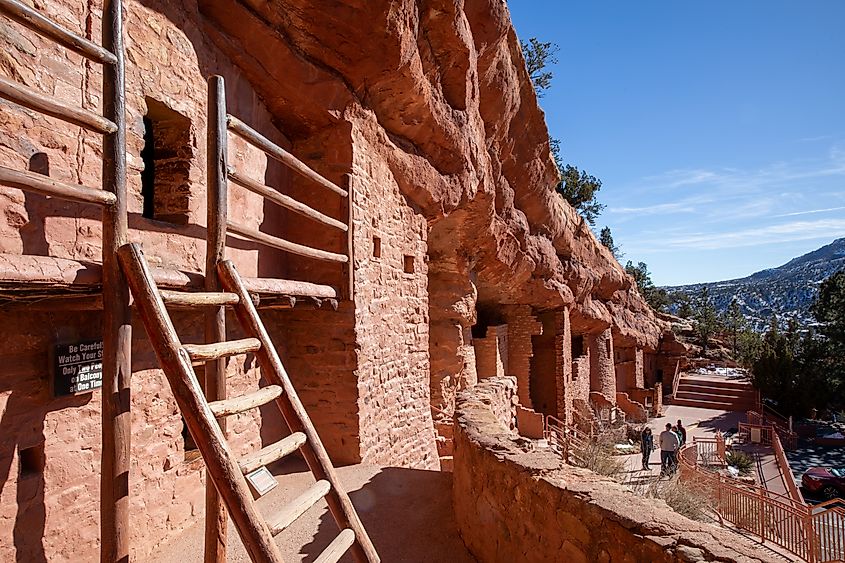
pixel 491 352
pixel 521 327
pixel 513 505
pixel 602 372
pixel 392 314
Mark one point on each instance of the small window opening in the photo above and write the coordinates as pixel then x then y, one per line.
pixel 409 264
pixel 376 247
pixel 167 155
pixel 191 451
pixel 31 461
pixel 577 346
pixel 607 349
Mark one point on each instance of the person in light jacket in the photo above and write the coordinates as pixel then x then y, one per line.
pixel 669 444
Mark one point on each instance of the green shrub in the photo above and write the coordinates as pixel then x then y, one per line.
pixel 741 460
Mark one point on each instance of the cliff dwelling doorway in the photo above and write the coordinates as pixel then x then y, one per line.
pixel 542 384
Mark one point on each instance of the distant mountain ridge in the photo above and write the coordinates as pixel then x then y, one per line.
pixel 787 291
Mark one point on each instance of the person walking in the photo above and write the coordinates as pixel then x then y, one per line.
pixel 647 445
pixel 669 444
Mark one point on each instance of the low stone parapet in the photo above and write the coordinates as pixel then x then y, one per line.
pixel 512 504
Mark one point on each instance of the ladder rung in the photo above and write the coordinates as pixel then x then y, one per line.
pixel 208 352
pixel 235 405
pixel 271 453
pixel 337 548
pixel 298 506
pixel 198 299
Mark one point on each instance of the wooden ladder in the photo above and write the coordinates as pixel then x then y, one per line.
pixel 227 473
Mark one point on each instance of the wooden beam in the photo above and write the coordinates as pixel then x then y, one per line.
pixel 216 517
pixel 271 453
pixel 273 286
pixel 204 299
pixel 35 100
pixel 298 420
pixel 339 546
pixel 44 185
pixel 219 458
pixel 30 18
pixel 237 405
pixel 117 322
pixel 285 201
pixel 272 149
pixel 217 350
pixel 298 506
pixel 285 245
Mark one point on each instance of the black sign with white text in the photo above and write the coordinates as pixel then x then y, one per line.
pixel 77 367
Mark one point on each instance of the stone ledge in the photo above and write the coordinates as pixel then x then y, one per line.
pixel 515 505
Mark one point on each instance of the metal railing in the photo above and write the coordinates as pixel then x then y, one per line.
pixel 676 380
pixel 814 533
pixel 788 438
pixel 566 439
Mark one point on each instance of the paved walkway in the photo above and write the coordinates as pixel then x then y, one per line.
pixel 407 512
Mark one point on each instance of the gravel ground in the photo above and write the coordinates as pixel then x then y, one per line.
pixel 407 512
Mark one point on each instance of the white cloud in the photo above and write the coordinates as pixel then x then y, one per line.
pixel 772 234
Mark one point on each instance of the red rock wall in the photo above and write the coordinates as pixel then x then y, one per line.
pixel 513 505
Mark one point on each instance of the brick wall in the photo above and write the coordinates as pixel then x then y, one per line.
pixel 602 372
pixel 563 365
pixel 521 327
pixel 491 352
pixel 392 314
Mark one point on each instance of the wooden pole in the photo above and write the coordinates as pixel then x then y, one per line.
pixel 215 319
pixel 117 324
pixel 347 212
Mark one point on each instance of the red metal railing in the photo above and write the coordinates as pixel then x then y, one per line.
pixel 814 533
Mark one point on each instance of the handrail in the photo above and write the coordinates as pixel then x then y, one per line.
pixel 812 533
pixel 272 149
pixel 31 19
pixel 285 245
pixel 285 201
pixel 45 185
pixel 35 100
pixel 676 380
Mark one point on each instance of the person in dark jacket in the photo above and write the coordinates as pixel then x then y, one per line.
pixel 647 445
pixel 683 432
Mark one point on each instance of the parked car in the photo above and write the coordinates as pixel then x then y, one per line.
pixel 828 482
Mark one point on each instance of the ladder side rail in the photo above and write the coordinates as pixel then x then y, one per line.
pixel 215 318
pixel 117 316
pixel 29 18
pixel 297 418
pixel 219 459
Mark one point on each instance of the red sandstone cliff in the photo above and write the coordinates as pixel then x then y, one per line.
pixel 440 87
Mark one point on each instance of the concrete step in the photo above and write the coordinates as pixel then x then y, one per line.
pixel 716 383
pixel 700 392
pixel 713 404
pixel 447 463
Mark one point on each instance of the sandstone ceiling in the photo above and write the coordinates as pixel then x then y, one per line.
pixel 441 85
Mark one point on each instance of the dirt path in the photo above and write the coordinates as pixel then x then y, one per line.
pixel 407 512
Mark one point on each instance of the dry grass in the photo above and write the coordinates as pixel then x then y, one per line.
pixel 599 456
pixel 688 499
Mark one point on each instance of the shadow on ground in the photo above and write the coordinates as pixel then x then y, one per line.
pixel 408 514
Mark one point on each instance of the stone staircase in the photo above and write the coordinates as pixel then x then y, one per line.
pixel 714 393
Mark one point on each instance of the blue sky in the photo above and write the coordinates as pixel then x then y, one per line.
pixel 717 127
